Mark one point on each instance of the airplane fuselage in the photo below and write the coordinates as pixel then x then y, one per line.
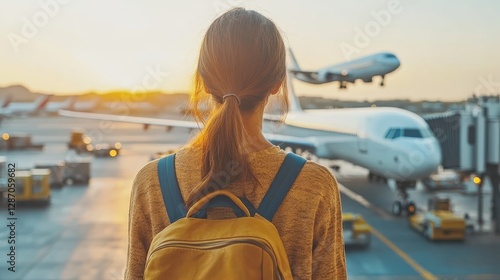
pixel 364 68
pixel 361 136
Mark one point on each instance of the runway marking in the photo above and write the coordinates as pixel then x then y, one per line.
pixel 361 200
pixel 354 196
pixel 422 271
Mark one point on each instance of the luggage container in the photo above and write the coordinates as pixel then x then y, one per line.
pixel 33 186
pixel 56 172
pixel 77 171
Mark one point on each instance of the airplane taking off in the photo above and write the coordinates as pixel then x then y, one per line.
pixel 390 142
pixel 25 108
pixel 364 68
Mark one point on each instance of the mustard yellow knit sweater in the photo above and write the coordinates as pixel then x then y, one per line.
pixel 309 221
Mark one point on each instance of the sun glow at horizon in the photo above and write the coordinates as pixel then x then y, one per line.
pixel 77 48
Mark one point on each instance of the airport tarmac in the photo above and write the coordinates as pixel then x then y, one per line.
pixel 82 234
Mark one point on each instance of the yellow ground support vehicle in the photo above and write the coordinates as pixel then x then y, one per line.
pixel 439 222
pixel 33 186
pixel 82 143
pixel 356 231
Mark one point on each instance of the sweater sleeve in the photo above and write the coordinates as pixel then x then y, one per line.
pixel 328 244
pixel 139 231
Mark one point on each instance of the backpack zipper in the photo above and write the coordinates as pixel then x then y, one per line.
pixel 215 244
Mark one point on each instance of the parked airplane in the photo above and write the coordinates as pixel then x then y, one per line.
pixel 390 142
pixel 25 108
pixel 68 104
pixel 364 68
pixel 86 106
pixel 6 101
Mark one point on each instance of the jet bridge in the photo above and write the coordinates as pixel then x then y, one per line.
pixel 470 143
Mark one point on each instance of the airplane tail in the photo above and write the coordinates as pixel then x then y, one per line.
pixel 69 103
pixel 41 102
pixel 292 96
pixel 7 101
pixel 293 101
pixel 295 64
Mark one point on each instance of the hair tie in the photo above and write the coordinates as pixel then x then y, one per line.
pixel 231 94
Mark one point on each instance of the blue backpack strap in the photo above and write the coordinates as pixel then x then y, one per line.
pixel 170 191
pixel 283 181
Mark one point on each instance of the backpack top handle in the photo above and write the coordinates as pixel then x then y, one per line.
pixel 204 200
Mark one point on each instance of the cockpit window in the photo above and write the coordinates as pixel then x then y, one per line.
pixel 426 133
pixel 389 55
pixel 397 134
pixel 389 133
pixel 394 133
pixel 413 133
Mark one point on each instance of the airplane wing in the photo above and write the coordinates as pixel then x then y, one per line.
pixel 321 146
pixel 314 77
pixel 131 119
pixel 315 144
pixel 291 141
pixel 306 76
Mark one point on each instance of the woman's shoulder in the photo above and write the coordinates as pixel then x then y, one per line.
pixel 149 172
pixel 146 176
pixel 317 178
pixel 313 175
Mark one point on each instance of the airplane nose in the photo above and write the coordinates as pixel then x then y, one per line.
pixel 421 160
pixel 396 63
pixel 430 153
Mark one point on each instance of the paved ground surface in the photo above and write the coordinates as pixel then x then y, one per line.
pixel 82 234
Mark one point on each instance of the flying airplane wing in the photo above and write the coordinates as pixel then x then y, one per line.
pixel 317 78
pixel 310 75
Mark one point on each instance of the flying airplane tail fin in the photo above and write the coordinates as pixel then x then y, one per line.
pixel 295 64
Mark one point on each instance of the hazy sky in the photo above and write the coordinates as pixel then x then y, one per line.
pixel 448 49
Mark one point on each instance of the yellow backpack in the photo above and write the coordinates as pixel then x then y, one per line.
pixel 247 247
